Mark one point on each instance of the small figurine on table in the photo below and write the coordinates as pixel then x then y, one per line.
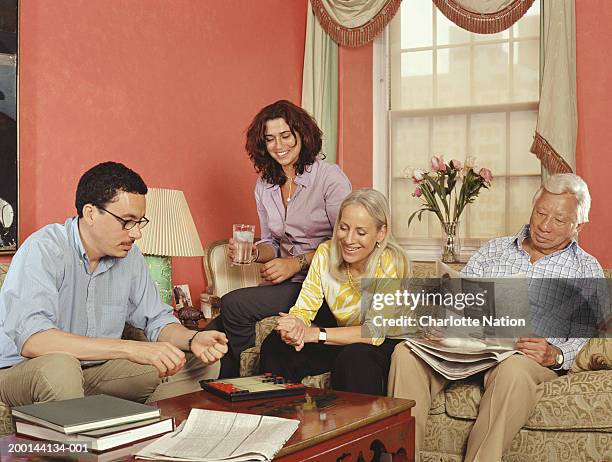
pixel 189 316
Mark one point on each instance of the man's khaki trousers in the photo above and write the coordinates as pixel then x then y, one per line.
pixel 60 376
pixel 511 391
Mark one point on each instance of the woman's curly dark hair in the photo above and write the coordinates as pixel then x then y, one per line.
pixel 300 122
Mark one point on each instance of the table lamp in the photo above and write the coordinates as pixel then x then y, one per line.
pixel 170 233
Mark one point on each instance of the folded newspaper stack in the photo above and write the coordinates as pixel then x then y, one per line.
pixel 458 358
pixel 222 436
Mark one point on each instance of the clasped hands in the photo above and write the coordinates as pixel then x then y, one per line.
pixel 274 271
pixel 294 332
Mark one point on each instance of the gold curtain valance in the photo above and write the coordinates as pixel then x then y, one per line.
pixel 353 23
pixel 484 16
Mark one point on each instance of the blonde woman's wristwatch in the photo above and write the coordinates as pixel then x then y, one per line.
pixel 322 335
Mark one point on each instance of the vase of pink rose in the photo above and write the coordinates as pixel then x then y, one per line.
pixel 445 190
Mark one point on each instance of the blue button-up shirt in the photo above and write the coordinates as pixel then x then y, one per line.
pixel 505 256
pixel 49 286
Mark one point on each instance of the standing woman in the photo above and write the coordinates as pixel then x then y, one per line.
pixel 356 352
pixel 298 196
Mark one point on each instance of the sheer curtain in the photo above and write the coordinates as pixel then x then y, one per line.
pixel 320 83
pixel 337 22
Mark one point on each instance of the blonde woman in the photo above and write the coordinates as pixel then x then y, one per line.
pixel 361 248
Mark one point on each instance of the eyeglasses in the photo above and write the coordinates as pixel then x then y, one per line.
pixel 128 224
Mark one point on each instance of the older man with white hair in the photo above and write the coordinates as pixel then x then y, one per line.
pixel 545 248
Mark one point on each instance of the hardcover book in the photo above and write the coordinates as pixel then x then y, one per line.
pixel 82 414
pixel 102 439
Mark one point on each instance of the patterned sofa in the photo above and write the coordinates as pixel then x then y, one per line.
pixel 572 421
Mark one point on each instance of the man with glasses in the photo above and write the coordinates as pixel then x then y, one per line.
pixel 70 290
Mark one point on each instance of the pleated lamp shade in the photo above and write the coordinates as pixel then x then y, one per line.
pixel 171 231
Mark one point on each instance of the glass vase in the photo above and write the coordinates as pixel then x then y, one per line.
pixel 451 247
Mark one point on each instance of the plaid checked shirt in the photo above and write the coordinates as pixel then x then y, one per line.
pixel 505 256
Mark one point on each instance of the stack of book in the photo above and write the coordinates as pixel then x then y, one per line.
pixel 100 422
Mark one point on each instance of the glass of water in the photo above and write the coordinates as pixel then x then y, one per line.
pixel 243 237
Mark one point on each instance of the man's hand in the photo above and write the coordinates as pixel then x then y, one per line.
pixel 291 330
pixel 538 349
pixel 280 269
pixel 209 346
pixel 166 358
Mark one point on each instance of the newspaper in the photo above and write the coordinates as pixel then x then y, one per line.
pixel 222 436
pixel 460 358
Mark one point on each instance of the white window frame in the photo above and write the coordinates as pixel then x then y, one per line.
pixel 418 249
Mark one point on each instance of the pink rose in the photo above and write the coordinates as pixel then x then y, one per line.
pixel 486 174
pixel 456 164
pixel 417 192
pixel 437 164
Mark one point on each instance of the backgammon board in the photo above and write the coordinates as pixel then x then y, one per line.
pixel 255 387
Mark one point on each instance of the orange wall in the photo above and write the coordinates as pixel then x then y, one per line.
pixel 168 88
pixel 594 148
pixel 355 109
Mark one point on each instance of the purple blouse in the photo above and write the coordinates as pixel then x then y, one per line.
pixel 311 213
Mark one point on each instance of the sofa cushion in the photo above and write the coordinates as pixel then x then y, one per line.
pixel 3 271
pixel 6 421
pixel 462 398
pixel 594 356
pixel 575 401
pixel 318 381
pixel 445 436
pixel 542 446
pixel 264 327
pixel 249 362
pixel 438 404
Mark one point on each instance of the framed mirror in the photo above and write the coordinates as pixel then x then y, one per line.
pixel 9 171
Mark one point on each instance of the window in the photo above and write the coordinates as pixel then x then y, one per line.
pixel 451 92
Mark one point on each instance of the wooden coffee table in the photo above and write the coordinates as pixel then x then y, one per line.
pixel 335 426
